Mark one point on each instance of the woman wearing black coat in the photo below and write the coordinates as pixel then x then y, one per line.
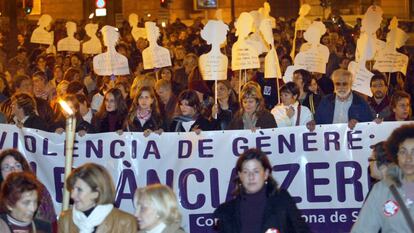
pixel 259 205
pixel 144 115
pixel 191 118
pixel 112 113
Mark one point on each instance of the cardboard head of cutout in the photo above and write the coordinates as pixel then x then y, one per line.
pixel 110 36
pixel 314 32
pixel 372 20
pixel 215 32
pixel 153 33
pixel 133 20
pixel 244 25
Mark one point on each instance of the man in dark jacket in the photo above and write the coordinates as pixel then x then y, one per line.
pixel 344 106
pixel 24 112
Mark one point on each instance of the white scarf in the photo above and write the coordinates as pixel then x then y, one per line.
pixel 88 224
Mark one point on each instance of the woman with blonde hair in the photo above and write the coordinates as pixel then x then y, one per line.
pixel 157 210
pixel 252 113
pixel 93 193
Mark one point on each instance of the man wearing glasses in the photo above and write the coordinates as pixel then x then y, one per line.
pixel 344 106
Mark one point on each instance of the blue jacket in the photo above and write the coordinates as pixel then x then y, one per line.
pixel 359 110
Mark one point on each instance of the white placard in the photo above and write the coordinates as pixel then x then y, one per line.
pixel 70 43
pixel 93 45
pixel 368 45
pixel 255 39
pixel 272 66
pixel 313 55
pixel 136 31
pixel 391 61
pixel 244 55
pixel 265 11
pixel 155 56
pixel 302 23
pixel 213 65
pixel 361 78
pixel 41 35
pixel 110 62
pixel 388 59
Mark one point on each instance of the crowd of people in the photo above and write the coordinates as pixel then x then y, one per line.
pixel 177 99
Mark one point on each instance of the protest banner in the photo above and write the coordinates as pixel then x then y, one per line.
pixel 325 171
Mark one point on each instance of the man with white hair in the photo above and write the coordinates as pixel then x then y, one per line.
pixel 344 106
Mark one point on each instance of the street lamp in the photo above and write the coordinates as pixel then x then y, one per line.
pixel 70 139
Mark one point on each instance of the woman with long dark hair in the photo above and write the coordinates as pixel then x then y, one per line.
pixel 227 104
pixel 259 205
pixel 112 112
pixel 191 118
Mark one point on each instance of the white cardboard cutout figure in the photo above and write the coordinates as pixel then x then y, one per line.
pixel 388 59
pixel 70 43
pixel 111 62
pixel 272 66
pixel 313 55
pixel 255 39
pixel 302 23
pixel 368 45
pixel 213 65
pixel 155 56
pixel 266 14
pixel 136 32
pixel 361 78
pixel 244 56
pixel 92 46
pixel 41 35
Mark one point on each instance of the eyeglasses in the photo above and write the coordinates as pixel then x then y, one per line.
pixel 343 84
pixel 8 168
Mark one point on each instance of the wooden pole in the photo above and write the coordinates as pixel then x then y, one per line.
pixel 215 96
pixel 70 139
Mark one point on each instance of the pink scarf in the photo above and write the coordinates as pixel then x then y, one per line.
pixel 143 115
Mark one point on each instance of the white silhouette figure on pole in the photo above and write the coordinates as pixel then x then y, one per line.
pixel 70 43
pixel 155 56
pixel 301 24
pixel 41 35
pixel 244 56
pixel 111 62
pixel 313 55
pixel 388 59
pixel 136 31
pixel 213 65
pixel 93 45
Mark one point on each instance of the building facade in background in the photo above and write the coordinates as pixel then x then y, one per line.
pixel 153 9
